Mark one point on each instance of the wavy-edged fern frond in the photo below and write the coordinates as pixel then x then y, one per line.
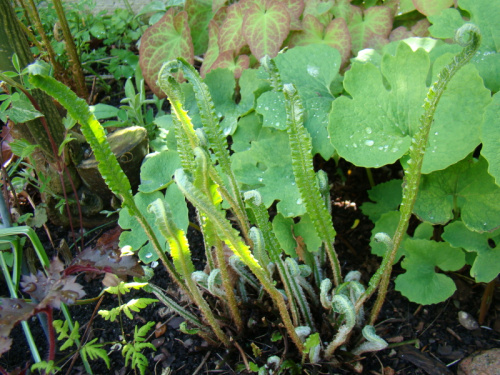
pixel 177 241
pixel 217 140
pixel 181 255
pixel 305 177
pixel 373 342
pixel 134 305
pixel 77 108
pixel 342 305
pixel 254 201
pixel 108 165
pixel 468 36
pixel 93 350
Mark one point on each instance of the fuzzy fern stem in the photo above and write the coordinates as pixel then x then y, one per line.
pixel 302 164
pixel 469 37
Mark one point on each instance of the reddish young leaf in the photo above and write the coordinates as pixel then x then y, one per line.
pixel 227 60
pixel 319 9
pixel 400 33
pixel 199 15
pixel 266 24
pixel 110 239
pixel 53 288
pixel 166 40
pixel 344 9
pixel 105 260
pixel 371 28
pixel 336 35
pixel 295 8
pixel 421 28
pixel 12 311
pixel 432 7
pixel 212 50
pixel 230 34
pixel 217 4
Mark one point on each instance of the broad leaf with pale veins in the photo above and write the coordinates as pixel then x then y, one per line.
pixel 166 40
pixel 266 25
pixel 199 16
pixel 432 7
pixel 335 34
pixel 370 28
pixel 230 35
pixel 212 50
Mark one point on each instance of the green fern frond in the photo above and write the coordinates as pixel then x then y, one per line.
pixel 77 108
pixel 132 305
pixel 62 330
pixel 132 351
pixel 307 183
pixel 92 350
pixel 124 287
pixel 179 247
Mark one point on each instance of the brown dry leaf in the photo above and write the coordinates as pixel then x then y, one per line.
pixel 160 329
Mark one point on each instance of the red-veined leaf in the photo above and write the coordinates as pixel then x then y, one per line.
pixel 166 40
pixel 266 24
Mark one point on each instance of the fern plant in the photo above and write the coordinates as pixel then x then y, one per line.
pixel 250 263
pixel 90 350
pixel 133 351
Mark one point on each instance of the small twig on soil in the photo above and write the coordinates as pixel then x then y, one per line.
pixel 243 355
pixel 436 318
pixel 202 363
pixel 85 335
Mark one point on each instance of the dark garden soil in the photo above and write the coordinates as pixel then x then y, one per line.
pixel 424 339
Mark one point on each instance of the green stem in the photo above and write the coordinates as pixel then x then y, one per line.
pixel 417 150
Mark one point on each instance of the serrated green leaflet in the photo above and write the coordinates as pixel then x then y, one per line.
pixel 486 266
pixel 485 14
pixel 375 127
pixel 490 136
pixel 421 284
pixel 465 189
